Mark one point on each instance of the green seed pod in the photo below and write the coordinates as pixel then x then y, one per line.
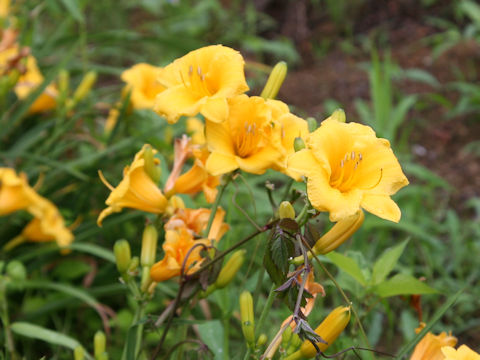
pixel 312 124
pixel 99 342
pixel 286 210
pixel 298 144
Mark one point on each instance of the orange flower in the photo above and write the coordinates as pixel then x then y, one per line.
pixel 137 190
pixel 178 244
pixel 429 348
pixel 196 220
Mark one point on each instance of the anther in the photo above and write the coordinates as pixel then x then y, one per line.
pixel 190 70
pixel 342 163
pixel 352 155
pixel 199 71
pixel 360 157
pixel 345 158
pixel 202 77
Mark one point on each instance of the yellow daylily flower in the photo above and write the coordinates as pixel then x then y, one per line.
pixel 137 190
pixel 201 82
pixel 196 130
pixel 429 348
pixel 291 127
pixel 178 244
pixel 462 353
pixel 143 85
pixel 15 193
pixel 349 168
pixel 4 8
pixel 248 139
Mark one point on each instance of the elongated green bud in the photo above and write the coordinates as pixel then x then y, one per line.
pixel 312 124
pixel 262 340
pixel 247 317
pixel 286 336
pixel 230 269
pixel 85 86
pixel 63 82
pixel 338 115
pixel 298 144
pixel 149 245
pixel 151 167
pixel 79 353
pixel 123 256
pixel 103 356
pixel 99 342
pixel 275 80
pixel 286 210
pixel 16 270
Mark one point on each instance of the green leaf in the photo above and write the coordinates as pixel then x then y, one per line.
pixel 385 264
pixel 348 265
pixel 74 10
pixel 211 333
pixel 281 249
pixel 131 343
pixel 52 337
pixel 430 323
pixel 402 284
pixel 93 250
pixel 471 9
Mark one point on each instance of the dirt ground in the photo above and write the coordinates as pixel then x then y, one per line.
pixel 437 140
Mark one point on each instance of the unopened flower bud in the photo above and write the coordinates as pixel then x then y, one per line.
pixel 230 269
pixel 338 115
pixel 79 353
pixel 262 340
pixel 151 167
pixel 247 317
pixel 312 124
pixel 149 245
pixel 123 256
pixel 133 264
pixel 286 210
pixel 16 270
pixel 298 144
pixel 85 86
pixel 99 342
pixel 336 236
pixel 102 356
pixel 286 336
pixel 328 330
pixel 275 80
pixel 174 203
pixel 63 82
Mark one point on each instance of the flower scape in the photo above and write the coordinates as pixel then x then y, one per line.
pixel 195 188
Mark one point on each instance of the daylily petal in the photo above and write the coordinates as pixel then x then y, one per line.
pixel 382 206
pixel 259 162
pixel 215 109
pixel 218 164
pixel 218 137
pixel 177 101
pixel 302 162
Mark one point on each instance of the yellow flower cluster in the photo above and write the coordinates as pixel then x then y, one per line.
pixel 47 223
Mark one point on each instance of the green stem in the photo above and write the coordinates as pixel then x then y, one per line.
pixel 247 354
pixel 9 343
pixel 216 203
pixel 347 300
pixel 226 339
pixel 266 309
pixel 139 314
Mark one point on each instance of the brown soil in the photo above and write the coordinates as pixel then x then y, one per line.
pixel 437 140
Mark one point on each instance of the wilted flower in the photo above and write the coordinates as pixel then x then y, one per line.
pixel 137 190
pixel 247 140
pixel 143 85
pixel 201 82
pixel 178 244
pixel 349 168
pixel 29 80
pixel 196 220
